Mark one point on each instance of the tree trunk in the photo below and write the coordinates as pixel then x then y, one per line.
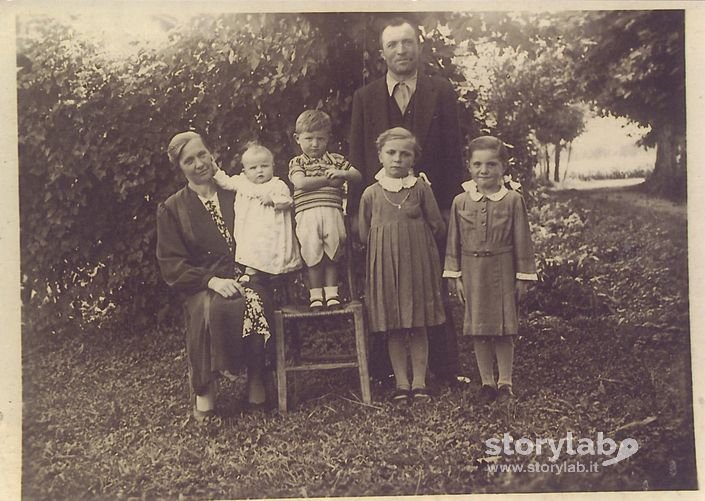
pixel 567 162
pixel 669 176
pixel 557 162
pixel 547 173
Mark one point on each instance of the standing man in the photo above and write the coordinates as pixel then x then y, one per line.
pixel 428 107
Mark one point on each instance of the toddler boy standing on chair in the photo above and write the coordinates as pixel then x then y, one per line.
pixel 318 177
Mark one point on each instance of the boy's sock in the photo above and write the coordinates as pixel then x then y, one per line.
pixel 484 354
pixel 396 341
pixel 418 345
pixel 316 293
pixel 504 348
pixel 330 291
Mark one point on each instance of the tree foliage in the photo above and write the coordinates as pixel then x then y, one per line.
pixel 92 138
pixel 525 84
pixel 632 64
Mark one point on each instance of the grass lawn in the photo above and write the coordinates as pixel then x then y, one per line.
pixel 106 415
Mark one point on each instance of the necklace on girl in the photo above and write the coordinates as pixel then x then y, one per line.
pixel 397 205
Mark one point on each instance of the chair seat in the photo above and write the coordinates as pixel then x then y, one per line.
pixel 303 311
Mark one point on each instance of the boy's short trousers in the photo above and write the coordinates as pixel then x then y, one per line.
pixel 320 230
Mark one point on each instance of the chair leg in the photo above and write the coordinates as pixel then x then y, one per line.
pixel 361 347
pixel 281 359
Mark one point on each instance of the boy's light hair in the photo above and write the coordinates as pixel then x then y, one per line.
pixel 489 143
pixel 254 147
pixel 313 121
pixel 398 133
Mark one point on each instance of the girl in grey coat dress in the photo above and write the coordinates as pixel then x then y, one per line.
pixel 490 261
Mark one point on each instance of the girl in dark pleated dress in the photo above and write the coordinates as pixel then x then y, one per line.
pixel 399 222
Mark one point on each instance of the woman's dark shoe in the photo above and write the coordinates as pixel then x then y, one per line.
pixel 246 406
pixel 505 393
pixel 400 396
pixel 487 394
pixel 202 416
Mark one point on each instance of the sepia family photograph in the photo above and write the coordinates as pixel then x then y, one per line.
pixel 307 250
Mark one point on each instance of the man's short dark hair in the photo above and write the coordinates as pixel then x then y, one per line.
pixel 397 21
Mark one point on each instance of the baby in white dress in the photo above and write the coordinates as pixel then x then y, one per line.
pixel 264 231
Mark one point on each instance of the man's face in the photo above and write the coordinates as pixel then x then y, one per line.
pixel 400 49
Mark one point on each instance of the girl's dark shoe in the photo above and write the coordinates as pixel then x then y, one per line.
pixel 400 396
pixel 505 394
pixel 421 394
pixel 487 394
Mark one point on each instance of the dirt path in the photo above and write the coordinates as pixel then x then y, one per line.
pixel 632 195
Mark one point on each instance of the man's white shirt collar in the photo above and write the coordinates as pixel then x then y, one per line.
pixel 395 184
pixel 410 82
pixel 471 188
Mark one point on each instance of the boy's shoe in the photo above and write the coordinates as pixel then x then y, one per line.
pixel 505 393
pixel 487 394
pixel 316 304
pixel 333 302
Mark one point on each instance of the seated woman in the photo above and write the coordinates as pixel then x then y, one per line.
pixel 226 321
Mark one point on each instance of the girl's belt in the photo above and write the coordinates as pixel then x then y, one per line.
pixel 488 253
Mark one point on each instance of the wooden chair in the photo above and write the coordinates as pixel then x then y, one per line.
pixel 290 314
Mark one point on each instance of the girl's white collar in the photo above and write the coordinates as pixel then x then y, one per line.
pixel 395 184
pixel 471 188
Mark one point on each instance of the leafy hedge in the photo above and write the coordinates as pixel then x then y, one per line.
pixel 93 131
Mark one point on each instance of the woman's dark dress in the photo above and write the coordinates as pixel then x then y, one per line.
pixel 191 251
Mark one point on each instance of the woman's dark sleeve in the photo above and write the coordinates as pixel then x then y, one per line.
pixel 174 260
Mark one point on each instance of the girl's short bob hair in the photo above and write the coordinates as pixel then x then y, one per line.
pixel 489 143
pixel 395 134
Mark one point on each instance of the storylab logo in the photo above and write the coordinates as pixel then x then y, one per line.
pixel 610 450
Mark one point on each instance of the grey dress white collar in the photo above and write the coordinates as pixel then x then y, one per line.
pixel 395 184
pixel 471 188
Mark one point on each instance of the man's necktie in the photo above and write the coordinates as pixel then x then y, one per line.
pixel 402 95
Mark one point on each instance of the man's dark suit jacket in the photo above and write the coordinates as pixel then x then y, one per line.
pixel 435 126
